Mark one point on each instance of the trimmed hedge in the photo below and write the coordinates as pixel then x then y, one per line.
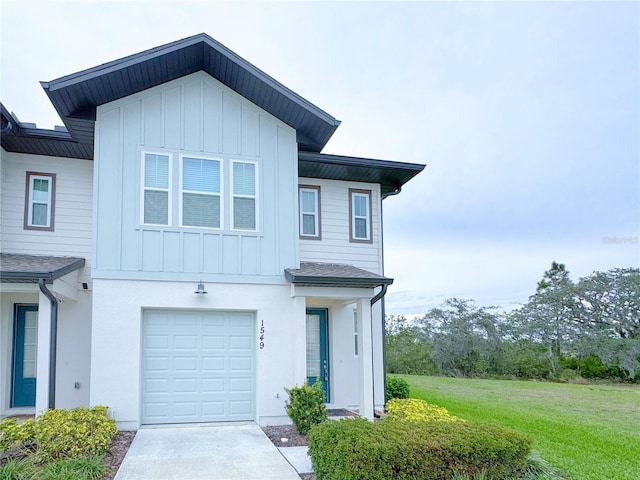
pixel 61 434
pixel 396 388
pixel 356 449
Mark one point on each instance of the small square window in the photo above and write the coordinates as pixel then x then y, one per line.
pixel 40 198
pixel 360 215
pixel 309 203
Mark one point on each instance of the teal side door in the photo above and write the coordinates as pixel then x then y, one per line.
pixel 318 349
pixel 25 344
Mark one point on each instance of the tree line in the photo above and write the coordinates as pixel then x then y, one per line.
pixel 589 328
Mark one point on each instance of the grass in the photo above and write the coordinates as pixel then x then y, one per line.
pixel 589 432
pixel 86 468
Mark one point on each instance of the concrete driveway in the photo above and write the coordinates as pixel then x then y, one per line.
pixel 238 451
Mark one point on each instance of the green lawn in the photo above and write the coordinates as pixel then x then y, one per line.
pixel 587 431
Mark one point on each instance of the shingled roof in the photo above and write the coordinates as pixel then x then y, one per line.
pixel 31 268
pixel 312 274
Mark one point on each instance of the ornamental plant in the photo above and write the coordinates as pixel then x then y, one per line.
pixel 415 410
pixel 356 449
pixel 61 433
pixel 396 388
pixel 305 406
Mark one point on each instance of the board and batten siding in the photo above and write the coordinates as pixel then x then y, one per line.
pixel 194 115
pixel 73 207
pixel 334 246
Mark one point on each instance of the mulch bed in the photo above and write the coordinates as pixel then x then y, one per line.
pixel 119 446
pixel 286 436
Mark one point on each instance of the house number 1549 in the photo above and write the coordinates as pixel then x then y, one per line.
pixel 261 334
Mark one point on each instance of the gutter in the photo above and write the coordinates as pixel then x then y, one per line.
pixel 52 340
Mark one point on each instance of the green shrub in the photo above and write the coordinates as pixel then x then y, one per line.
pixel 61 433
pixel 412 409
pixel 427 450
pixel 305 406
pixel 396 388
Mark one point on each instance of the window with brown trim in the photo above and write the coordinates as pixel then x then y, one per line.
pixel 309 202
pixel 360 216
pixel 40 199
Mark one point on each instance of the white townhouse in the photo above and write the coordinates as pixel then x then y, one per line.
pixel 182 250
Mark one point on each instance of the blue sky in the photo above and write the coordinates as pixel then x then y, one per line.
pixel 527 115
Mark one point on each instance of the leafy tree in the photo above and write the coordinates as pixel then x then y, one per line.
pixel 407 347
pixel 466 339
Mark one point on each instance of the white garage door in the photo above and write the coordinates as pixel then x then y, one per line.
pixel 197 367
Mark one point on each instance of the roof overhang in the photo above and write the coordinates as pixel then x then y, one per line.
pixel 390 175
pixel 31 268
pixel 23 138
pixel 76 96
pixel 334 275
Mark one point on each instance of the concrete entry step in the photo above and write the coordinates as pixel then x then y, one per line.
pixel 211 452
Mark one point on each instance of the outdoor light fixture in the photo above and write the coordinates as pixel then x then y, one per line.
pixel 200 290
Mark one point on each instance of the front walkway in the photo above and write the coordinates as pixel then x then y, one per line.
pixel 239 451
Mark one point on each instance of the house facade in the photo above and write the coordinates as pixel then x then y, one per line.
pixel 182 250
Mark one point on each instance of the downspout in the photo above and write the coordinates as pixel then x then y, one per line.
pixel 52 341
pixel 381 295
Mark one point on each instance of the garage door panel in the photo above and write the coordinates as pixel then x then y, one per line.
pixel 185 342
pixel 213 342
pixel 198 366
pixel 157 363
pixel 214 364
pixel 213 385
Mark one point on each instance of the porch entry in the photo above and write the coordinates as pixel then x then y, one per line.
pixel 318 349
pixel 23 362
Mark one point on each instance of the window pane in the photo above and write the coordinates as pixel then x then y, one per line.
pixel 361 228
pixel 39 214
pixel 156 171
pixel 360 205
pixel 40 185
pixel 156 207
pixel 244 178
pixel 308 224
pixel 244 213
pixel 201 175
pixel 200 210
pixel 308 201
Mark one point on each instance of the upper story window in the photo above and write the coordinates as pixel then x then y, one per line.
pixel 360 216
pixel 201 192
pixel 244 195
pixel 309 212
pixel 156 192
pixel 40 201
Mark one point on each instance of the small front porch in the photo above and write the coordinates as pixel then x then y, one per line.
pixel 341 337
pixel 40 297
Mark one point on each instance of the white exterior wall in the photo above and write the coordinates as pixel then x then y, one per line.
pixel 73 352
pixel 335 247
pixel 74 191
pixel 194 115
pixel 117 327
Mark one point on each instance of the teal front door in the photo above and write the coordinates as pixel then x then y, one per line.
pixel 318 349
pixel 25 344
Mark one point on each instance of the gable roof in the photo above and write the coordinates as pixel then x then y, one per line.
pixel 76 96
